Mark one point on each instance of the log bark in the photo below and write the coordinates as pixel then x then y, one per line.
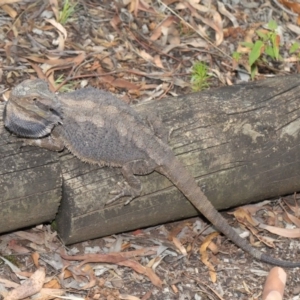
pixel 241 144
pixel 30 183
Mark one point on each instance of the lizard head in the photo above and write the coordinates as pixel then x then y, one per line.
pixel 32 110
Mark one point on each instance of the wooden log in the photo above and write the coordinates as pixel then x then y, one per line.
pixel 241 143
pixel 30 183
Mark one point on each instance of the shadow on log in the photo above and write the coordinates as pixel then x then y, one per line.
pixel 241 143
pixel 30 183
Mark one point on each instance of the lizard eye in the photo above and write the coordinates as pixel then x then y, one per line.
pixel 34 99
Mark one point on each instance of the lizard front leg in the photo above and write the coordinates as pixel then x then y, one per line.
pixel 132 186
pixel 51 142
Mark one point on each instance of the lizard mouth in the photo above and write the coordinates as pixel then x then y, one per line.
pixel 55 111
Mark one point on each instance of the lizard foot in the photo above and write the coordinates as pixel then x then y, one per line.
pixel 123 190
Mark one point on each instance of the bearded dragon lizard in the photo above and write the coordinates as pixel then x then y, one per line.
pixel 99 128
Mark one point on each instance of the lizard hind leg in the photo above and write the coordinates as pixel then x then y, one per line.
pixel 131 187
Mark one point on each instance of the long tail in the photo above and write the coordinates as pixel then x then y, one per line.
pixel 175 171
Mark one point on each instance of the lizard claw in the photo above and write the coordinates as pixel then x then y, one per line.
pixel 117 197
pixel 122 190
pixel 120 187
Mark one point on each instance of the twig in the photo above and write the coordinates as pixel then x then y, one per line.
pixel 197 31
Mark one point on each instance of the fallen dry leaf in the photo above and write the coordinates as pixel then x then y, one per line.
pixel 158 30
pixel 47 294
pixel 222 9
pixel 128 297
pixel 8 283
pixel 243 216
pixel 88 272
pixel 37 238
pixel 125 84
pixel 16 247
pixel 141 5
pixel 254 208
pixel 197 6
pixel 55 8
pixel 179 246
pixel 142 270
pixel 266 240
pixel 218 27
pixel 52 284
pixel 286 232
pixel 58 26
pixel 3 2
pixel 157 61
pixel 9 10
pixel 154 262
pixel 61 42
pixel 294 208
pixel 121 259
pixel 204 255
pixel 24 274
pixel 35 257
pixel 13 267
pixel 40 73
pixel 29 287
pixel 114 22
pixel 145 55
pixel 176 230
pixel 292 5
pixel 294 28
pixel 292 218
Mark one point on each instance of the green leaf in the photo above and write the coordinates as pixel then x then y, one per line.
pixel 294 48
pixel 255 52
pixel 262 35
pixel 270 51
pixel 272 25
pixel 253 71
pixel 236 55
pixel 276 52
pixel 247 44
pixel 275 39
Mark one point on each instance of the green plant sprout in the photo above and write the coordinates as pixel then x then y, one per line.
pixel 67 11
pixel 236 55
pixel 295 49
pixel 266 46
pixel 200 76
pixel 68 87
